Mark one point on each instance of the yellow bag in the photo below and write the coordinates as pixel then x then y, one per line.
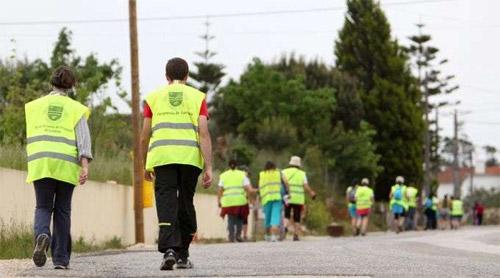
pixel 147 193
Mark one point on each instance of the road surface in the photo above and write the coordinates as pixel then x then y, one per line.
pixel 470 252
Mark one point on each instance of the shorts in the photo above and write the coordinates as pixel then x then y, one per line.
pixel 245 216
pixel 363 212
pixel 352 211
pixel 444 214
pixel 297 211
pixel 397 210
pixel 272 214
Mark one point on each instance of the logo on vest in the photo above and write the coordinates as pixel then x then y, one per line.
pixel 55 112
pixel 175 98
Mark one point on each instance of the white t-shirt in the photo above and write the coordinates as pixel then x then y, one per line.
pixel 246 182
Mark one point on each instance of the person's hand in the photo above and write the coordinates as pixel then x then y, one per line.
pixel 148 175
pixel 84 173
pixel 207 177
pixel 313 195
pixel 220 205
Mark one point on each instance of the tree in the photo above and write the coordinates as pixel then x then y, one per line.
pixel 391 99
pixel 208 75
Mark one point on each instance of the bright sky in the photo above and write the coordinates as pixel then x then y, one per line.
pixel 466 31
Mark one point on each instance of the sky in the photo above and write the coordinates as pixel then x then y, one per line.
pixel 466 31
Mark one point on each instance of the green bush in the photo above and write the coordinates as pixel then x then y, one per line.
pixel 318 217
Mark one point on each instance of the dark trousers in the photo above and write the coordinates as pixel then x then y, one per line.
pixel 53 199
pixel 410 219
pixel 431 223
pixel 175 185
pixel 234 227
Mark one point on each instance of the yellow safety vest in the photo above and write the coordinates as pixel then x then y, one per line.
pixel 270 186
pixel 51 140
pixel 234 191
pixel 175 138
pixel 401 202
pixel 412 196
pixel 364 196
pixel 295 179
pixel 457 208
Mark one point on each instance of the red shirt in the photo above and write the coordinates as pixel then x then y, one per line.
pixel 149 114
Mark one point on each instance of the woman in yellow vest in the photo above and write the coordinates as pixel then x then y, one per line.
pixel 270 183
pixel 457 212
pixel 234 186
pixel 297 180
pixel 364 201
pixel 59 150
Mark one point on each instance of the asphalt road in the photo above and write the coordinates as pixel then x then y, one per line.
pixel 469 252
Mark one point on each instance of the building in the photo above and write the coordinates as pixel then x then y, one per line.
pixel 489 179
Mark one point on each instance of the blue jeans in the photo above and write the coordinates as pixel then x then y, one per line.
pixel 53 198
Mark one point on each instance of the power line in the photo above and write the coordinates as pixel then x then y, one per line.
pixel 220 15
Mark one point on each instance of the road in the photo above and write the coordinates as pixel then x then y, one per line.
pixel 469 252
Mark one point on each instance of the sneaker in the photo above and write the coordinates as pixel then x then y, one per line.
pixel 239 239
pixel 59 266
pixel 357 231
pixel 40 252
pixel 168 260
pixel 295 238
pixel 184 264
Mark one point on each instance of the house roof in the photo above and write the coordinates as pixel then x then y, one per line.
pixel 492 170
pixel 446 176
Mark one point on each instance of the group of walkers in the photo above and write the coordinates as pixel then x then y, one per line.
pixel 281 195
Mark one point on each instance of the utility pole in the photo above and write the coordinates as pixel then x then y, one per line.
pixel 472 170
pixel 138 171
pixel 427 140
pixel 456 177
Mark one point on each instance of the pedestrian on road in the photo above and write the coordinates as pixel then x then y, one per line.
pixel 297 181
pixel 270 183
pixel 176 146
pixel 234 186
pixel 478 212
pixel 411 195
pixel 350 197
pixel 59 151
pixel 430 205
pixel 398 203
pixel 364 203
pixel 457 212
pixel 444 213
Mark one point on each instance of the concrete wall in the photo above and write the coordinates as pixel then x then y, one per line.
pixel 100 210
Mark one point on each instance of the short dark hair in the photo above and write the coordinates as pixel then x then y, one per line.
pixel 233 163
pixel 63 78
pixel 269 166
pixel 177 69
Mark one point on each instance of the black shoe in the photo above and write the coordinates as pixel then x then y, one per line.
pixel 58 266
pixel 40 252
pixel 184 264
pixel 357 231
pixel 239 239
pixel 168 260
pixel 295 238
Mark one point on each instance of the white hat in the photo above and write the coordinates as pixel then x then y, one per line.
pixel 295 161
pixel 365 181
pixel 400 179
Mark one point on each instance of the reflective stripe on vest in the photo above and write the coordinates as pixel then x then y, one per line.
pixel 175 138
pixel 295 179
pixel 363 197
pixel 270 186
pixel 234 192
pixel 457 208
pixel 51 140
pixel 412 196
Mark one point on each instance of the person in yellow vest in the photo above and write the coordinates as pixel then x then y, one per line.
pixel 270 183
pixel 364 201
pixel 297 181
pixel 457 212
pixel 430 210
pixel 411 196
pixel 59 151
pixel 398 203
pixel 234 186
pixel 177 148
pixel 350 197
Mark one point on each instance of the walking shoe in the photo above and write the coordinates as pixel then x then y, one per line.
pixel 168 260
pixel 357 231
pixel 184 264
pixel 59 266
pixel 295 238
pixel 239 239
pixel 40 252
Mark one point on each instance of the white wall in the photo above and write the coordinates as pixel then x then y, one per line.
pixel 100 210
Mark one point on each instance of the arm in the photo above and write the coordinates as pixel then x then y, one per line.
pixel 219 195
pixel 84 146
pixel 309 190
pixel 285 181
pixel 145 136
pixel 206 150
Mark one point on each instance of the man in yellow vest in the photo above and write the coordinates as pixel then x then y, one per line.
pixel 411 196
pixel 297 181
pixel 364 202
pixel 270 183
pixel 457 212
pixel 234 186
pixel 177 148
pixel 59 151
pixel 398 203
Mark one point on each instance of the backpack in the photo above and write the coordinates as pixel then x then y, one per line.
pixel 352 195
pixel 398 194
pixel 428 203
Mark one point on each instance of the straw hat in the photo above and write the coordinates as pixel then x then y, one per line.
pixel 295 161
